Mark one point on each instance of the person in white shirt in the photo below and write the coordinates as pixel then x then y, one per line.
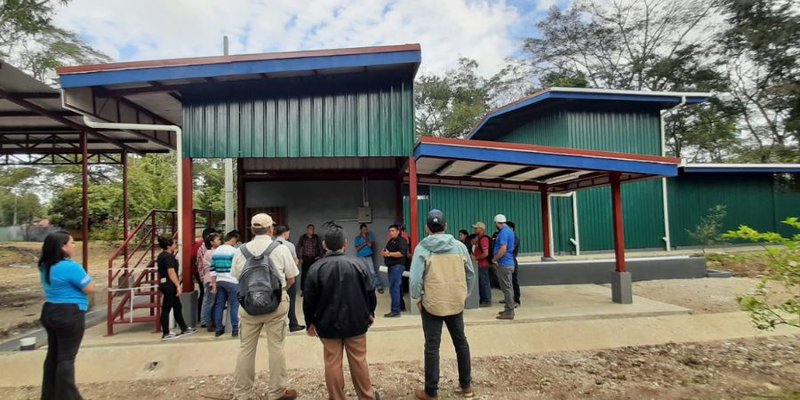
pixel 250 325
pixel 282 234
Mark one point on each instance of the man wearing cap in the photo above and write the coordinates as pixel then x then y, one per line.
pixel 504 260
pixel 284 263
pixel 480 256
pixel 441 279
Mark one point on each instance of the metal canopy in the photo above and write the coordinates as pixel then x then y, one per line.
pixel 502 120
pixel 151 91
pixel 32 122
pixel 507 166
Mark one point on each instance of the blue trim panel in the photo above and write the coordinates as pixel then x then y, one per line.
pixel 741 170
pixel 588 96
pixel 544 160
pixel 163 74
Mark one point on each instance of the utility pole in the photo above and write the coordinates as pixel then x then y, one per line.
pixel 229 222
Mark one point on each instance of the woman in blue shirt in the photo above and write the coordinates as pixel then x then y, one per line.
pixel 66 286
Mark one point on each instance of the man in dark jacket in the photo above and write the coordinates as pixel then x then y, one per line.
pixel 309 250
pixel 339 307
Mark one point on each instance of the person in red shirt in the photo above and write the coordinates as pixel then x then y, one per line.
pixel 480 253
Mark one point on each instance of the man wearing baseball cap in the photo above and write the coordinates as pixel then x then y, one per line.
pixel 441 279
pixel 480 256
pixel 504 260
pixel 283 262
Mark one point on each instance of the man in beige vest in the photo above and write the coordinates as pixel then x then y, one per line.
pixel 442 276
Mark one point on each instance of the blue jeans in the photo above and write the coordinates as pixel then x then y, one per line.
pixel 207 310
pixel 227 292
pixel 484 285
pixel 376 279
pixel 395 285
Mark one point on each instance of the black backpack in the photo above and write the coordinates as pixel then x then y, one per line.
pixel 259 284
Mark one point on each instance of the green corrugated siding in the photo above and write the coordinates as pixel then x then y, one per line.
pixel 787 204
pixel 748 198
pixel 464 207
pixel 630 132
pixel 302 117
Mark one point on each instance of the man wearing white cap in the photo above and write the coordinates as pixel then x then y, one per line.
pixel 504 260
pixel 283 262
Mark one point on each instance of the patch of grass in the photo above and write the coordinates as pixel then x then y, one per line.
pixel 750 264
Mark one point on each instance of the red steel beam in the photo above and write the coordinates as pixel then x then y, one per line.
pixel 413 204
pixel 85 199
pixel 545 222
pixel 619 228
pixel 187 230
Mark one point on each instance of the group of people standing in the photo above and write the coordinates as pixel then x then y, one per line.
pixel 339 298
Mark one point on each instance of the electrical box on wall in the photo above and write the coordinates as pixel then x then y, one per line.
pixel 364 215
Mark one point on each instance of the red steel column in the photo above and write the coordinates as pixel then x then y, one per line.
pixel 619 228
pixel 85 198
pixel 412 202
pixel 187 230
pixel 125 206
pixel 545 223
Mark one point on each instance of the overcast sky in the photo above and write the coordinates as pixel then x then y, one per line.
pixel 485 30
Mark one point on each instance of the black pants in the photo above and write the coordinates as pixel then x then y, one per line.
pixel 307 261
pixel 292 292
pixel 515 282
pixel 432 328
pixel 65 324
pixel 202 290
pixel 171 302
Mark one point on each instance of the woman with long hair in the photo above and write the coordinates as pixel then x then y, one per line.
pixel 170 288
pixel 66 288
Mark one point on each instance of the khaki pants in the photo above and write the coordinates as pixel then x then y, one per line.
pixel 249 331
pixel 356 348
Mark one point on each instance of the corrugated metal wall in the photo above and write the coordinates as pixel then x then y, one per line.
pixel 630 132
pixel 324 116
pixel 787 204
pixel 748 198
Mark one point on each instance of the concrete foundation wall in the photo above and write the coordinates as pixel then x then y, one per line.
pixel 315 202
pixel 599 271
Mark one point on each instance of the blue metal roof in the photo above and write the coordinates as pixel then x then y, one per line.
pixel 165 71
pixel 496 119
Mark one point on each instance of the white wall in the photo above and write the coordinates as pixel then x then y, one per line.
pixel 315 202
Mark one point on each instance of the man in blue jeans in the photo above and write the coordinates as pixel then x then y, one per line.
pixel 480 256
pixel 365 243
pixel 225 285
pixel 442 276
pixel 394 256
pixel 504 260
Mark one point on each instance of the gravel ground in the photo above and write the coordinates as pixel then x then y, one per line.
pixel 741 369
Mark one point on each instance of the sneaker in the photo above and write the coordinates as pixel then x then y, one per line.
pixel 506 316
pixel 235 334
pixel 464 392
pixel 170 336
pixel 391 315
pixel 421 395
pixel 189 331
pixel 489 304
pixel 297 328
pixel 218 334
pixel 289 394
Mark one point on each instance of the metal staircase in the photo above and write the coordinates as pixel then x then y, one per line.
pixel 133 295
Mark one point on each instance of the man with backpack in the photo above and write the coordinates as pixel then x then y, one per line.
pixel 441 280
pixel 481 256
pixel 265 270
pixel 339 306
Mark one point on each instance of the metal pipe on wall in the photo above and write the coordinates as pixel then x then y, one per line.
pixel 664 196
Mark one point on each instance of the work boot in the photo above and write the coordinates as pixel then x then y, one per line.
pixel 421 395
pixel 464 392
pixel 506 316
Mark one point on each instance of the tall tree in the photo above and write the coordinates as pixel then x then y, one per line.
pixel 639 45
pixel 30 40
pixel 763 51
pixel 450 105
